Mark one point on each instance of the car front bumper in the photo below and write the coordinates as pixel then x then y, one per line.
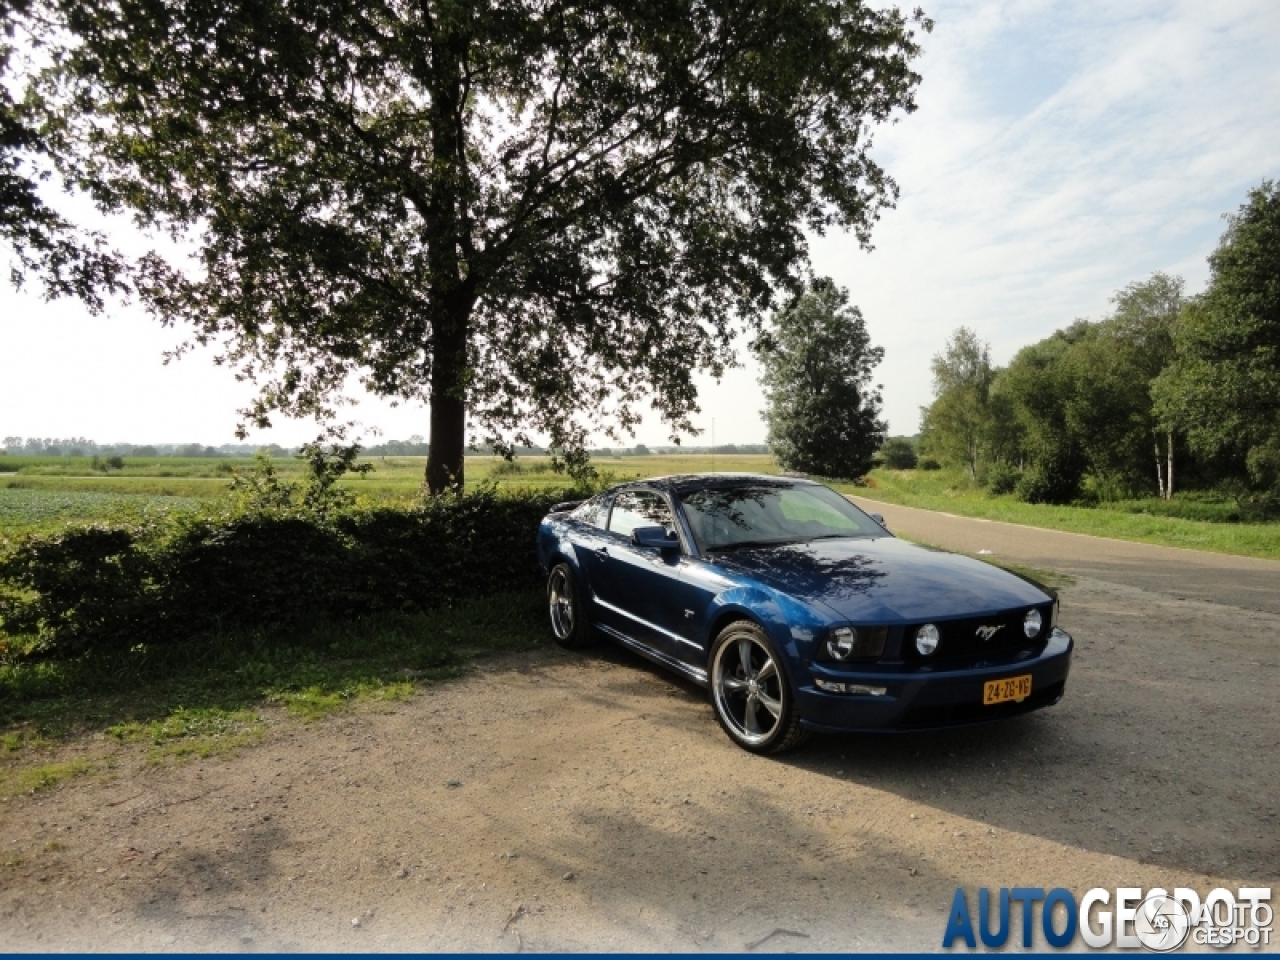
pixel 924 698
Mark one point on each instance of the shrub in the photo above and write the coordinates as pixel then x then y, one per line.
pixel 898 454
pixel 280 554
pixel 1002 478
pixel 1052 480
pixel 928 463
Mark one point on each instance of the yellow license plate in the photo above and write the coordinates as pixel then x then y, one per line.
pixel 1001 691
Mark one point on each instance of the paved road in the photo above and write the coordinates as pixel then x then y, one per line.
pixel 1244 582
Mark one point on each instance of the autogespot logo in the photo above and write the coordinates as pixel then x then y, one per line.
pixel 1155 920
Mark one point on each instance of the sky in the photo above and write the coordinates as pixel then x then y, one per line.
pixel 1060 152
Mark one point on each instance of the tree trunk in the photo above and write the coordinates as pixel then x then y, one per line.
pixel 1159 474
pixel 446 460
pixel 1168 473
pixel 452 284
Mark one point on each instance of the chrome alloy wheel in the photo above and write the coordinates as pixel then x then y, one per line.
pixel 748 687
pixel 560 600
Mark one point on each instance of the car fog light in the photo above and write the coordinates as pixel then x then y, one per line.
pixel 927 639
pixel 1031 625
pixel 866 691
pixel 840 643
pixel 833 686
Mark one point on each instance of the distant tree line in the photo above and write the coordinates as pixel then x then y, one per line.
pixel 415 446
pixel 83 447
pixel 1168 392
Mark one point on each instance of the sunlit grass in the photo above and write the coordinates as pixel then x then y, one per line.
pixel 952 492
pixel 214 698
pixel 32 778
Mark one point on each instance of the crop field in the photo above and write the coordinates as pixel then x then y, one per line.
pixel 22 510
pixel 44 492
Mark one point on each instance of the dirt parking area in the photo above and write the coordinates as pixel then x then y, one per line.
pixel 559 801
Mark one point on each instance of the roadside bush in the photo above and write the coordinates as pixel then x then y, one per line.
pixel 1002 478
pixel 928 463
pixel 281 554
pixel 898 454
pixel 1053 480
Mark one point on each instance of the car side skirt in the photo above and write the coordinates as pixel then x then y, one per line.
pixel 671 663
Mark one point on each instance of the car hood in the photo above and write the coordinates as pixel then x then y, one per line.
pixel 883 579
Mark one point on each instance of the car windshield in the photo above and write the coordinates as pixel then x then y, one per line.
pixel 761 513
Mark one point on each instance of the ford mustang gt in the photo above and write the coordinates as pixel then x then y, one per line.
pixel 798 610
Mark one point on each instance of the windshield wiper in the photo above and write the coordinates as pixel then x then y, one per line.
pixel 748 543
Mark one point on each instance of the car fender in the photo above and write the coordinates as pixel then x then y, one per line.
pixel 555 546
pixel 788 622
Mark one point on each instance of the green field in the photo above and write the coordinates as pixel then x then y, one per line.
pixel 950 491
pixel 44 492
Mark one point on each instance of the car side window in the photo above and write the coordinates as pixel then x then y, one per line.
pixel 639 508
pixel 594 512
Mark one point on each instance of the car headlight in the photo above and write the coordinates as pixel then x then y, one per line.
pixel 852 643
pixel 927 639
pixel 1031 623
pixel 841 642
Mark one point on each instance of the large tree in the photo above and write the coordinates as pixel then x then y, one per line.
pixel 531 214
pixel 823 411
pixel 1223 387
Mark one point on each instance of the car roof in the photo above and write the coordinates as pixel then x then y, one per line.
pixel 684 482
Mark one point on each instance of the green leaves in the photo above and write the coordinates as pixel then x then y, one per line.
pixel 273 561
pixel 533 216
pixel 1223 388
pixel 822 409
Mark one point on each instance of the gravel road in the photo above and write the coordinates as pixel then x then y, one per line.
pixel 589 802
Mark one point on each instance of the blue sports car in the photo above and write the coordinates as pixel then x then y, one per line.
pixel 798 610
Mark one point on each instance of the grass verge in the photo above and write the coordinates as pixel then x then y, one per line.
pixel 950 492
pixel 211 698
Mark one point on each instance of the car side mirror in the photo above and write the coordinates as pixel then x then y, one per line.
pixel 879 518
pixel 656 537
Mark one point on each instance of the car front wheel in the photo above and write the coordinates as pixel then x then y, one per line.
pixel 568 619
pixel 750 692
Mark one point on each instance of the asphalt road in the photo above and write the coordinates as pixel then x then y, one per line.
pixel 1244 582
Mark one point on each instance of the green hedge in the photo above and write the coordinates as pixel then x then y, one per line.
pixel 279 557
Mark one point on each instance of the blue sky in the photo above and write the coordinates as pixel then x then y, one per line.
pixel 1061 151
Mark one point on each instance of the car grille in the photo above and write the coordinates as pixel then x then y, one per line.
pixel 961 638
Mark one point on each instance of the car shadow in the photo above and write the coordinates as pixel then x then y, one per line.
pixel 1100 771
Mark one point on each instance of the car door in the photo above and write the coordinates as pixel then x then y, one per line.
pixel 636 588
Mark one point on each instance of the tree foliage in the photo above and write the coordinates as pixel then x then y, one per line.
pixel 530 215
pixel 954 425
pixel 1223 388
pixel 40 241
pixel 823 413
pixel 1075 405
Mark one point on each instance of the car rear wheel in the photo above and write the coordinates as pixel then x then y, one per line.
pixel 750 693
pixel 568 619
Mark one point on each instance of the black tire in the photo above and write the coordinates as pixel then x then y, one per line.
pixel 569 623
pixel 751 693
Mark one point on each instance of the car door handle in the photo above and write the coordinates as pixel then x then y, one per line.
pixel 602 553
